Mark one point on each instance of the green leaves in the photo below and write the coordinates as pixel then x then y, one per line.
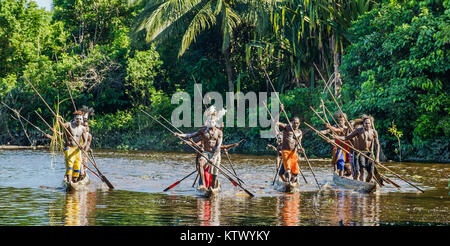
pixel 396 69
pixel 141 72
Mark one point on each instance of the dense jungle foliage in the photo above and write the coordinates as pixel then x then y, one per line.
pixel 388 59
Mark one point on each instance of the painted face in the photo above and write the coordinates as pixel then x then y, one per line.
pixel 341 121
pixel 367 124
pixel 296 124
pixel 78 120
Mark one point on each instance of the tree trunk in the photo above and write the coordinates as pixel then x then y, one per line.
pixel 336 61
pixel 229 70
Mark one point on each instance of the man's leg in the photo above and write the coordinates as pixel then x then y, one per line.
pixel 355 166
pixel 287 175
pixel 214 181
pixel 362 165
pixel 282 172
pixel 370 170
pixel 69 163
pixel 202 164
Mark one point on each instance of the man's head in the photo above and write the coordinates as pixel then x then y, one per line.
pixel 367 122
pixel 78 117
pixel 296 123
pixel 341 118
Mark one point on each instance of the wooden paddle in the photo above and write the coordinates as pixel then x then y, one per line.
pixel 179 181
pixel 100 173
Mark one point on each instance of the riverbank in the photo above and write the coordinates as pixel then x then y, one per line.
pixel 436 150
pixel 185 149
pixel 17 147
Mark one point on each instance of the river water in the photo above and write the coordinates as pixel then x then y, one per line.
pixel 31 194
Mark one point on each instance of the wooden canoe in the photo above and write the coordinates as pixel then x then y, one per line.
pixel 287 187
pixel 354 184
pixel 80 185
pixel 210 191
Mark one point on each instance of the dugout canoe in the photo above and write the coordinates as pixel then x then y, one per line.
pixel 287 187
pixel 80 185
pixel 210 191
pixel 354 184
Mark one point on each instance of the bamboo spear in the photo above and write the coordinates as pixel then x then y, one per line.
pixel 334 99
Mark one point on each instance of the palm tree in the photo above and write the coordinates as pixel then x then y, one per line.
pixel 315 32
pixel 163 18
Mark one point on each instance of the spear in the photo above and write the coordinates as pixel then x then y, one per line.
pixel 334 99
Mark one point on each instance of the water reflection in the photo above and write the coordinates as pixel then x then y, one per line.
pixel 208 211
pixel 353 208
pixel 79 207
pixel 288 206
pixel 138 198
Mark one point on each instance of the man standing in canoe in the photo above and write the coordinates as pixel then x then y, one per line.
pixel 211 138
pixel 71 151
pixel 339 157
pixel 289 148
pixel 366 139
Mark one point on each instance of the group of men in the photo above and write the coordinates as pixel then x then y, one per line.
pixel 359 133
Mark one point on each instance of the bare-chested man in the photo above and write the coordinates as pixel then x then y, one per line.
pixel 211 140
pixel 339 157
pixel 289 148
pixel 71 150
pixel 366 139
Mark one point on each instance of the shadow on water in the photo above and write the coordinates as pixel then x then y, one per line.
pixel 31 194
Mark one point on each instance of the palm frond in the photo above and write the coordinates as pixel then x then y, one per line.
pixel 204 19
pixel 165 15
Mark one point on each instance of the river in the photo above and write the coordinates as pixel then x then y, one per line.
pixel 31 194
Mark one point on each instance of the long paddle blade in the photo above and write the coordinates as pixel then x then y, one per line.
pixel 100 173
pixel 179 181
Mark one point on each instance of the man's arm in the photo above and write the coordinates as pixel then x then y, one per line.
pixel 300 149
pixel 218 144
pixel 335 129
pixel 377 143
pixel 84 136
pixel 325 131
pixel 280 126
pixel 189 135
pixel 356 132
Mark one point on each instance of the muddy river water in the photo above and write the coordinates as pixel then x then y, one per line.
pixel 31 194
